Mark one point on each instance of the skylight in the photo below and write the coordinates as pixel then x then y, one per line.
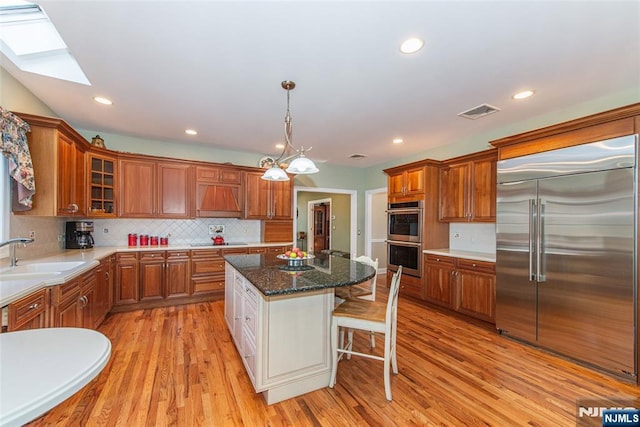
pixel 30 40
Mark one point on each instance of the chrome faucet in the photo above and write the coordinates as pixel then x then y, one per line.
pixel 15 242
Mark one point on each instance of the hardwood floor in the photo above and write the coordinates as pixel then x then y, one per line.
pixel 178 366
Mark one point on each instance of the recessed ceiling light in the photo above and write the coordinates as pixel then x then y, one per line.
pixel 279 146
pixel 524 94
pixel 191 132
pixel 102 100
pixel 411 45
pixel 398 141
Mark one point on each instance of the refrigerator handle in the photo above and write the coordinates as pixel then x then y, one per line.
pixel 532 233
pixel 540 261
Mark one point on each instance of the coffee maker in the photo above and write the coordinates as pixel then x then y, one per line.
pixel 78 235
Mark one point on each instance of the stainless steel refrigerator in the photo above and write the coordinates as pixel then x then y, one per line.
pixel 566 252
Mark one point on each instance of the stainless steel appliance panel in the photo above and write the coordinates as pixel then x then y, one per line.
pixel 516 297
pixel 405 254
pixel 404 224
pixel 586 284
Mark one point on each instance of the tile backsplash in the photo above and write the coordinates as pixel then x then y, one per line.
pixel 476 237
pixel 49 231
pixel 113 232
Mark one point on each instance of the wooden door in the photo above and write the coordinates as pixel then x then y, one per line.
pixel 454 193
pixel 178 274
pixel 439 281
pixel 477 294
pixel 395 184
pixel 126 286
pixel 321 232
pixel 282 199
pixel 174 190
pixel 137 184
pixel 151 275
pixel 257 197
pixel 483 195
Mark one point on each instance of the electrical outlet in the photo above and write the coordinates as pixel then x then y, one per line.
pixel 32 234
pixel 60 237
pixel 216 228
pixel 456 235
pixel 105 231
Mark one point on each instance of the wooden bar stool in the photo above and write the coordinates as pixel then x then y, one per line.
pixel 368 316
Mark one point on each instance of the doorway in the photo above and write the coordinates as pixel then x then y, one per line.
pixel 320 225
pixel 343 217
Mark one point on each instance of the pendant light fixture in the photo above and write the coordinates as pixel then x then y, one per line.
pixel 300 164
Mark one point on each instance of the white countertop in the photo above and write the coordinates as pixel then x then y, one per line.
pixel 478 256
pixel 13 290
pixel 43 367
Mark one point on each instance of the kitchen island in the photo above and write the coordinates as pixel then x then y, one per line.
pixel 280 320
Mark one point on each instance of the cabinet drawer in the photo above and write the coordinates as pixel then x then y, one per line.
pixel 66 291
pixel 127 256
pixel 208 284
pixel 177 255
pixel 206 254
pixel 479 266
pixel 439 259
pixel 27 308
pixel 151 256
pixel 250 320
pixel 251 296
pixel 207 266
pixel 257 250
pixel 234 251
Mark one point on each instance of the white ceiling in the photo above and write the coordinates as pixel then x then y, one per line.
pixel 217 66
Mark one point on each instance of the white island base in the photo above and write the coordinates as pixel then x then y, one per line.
pixel 283 340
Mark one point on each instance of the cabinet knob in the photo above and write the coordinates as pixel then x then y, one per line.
pixel 474 264
pixel 72 208
pixel 34 306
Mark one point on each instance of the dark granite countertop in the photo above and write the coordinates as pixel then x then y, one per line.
pixel 264 272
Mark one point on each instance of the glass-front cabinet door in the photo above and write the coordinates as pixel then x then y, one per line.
pixel 102 176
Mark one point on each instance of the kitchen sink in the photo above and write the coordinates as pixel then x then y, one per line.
pixel 38 269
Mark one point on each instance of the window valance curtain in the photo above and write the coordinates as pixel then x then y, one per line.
pixel 15 148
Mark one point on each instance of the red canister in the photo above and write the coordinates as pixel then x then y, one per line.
pixel 133 239
pixel 154 240
pixel 144 240
pixel 164 241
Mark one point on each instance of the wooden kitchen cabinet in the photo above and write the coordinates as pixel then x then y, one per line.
pixel 58 157
pixel 406 182
pixel 219 192
pixel 152 277
pixel 102 184
pixel 148 188
pixel 65 304
pixel 177 274
pixel 88 301
pixel 464 285
pixel 30 312
pixel 174 190
pixel 477 288
pixel 439 280
pixel 126 282
pixel 103 290
pixel 409 285
pixel 137 185
pixel 272 200
pixel 468 188
pixel 208 269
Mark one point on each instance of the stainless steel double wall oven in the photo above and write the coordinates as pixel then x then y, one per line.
pixel 404 237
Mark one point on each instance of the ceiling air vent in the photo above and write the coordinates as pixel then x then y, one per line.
pixel 479 111
pixel 357 156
